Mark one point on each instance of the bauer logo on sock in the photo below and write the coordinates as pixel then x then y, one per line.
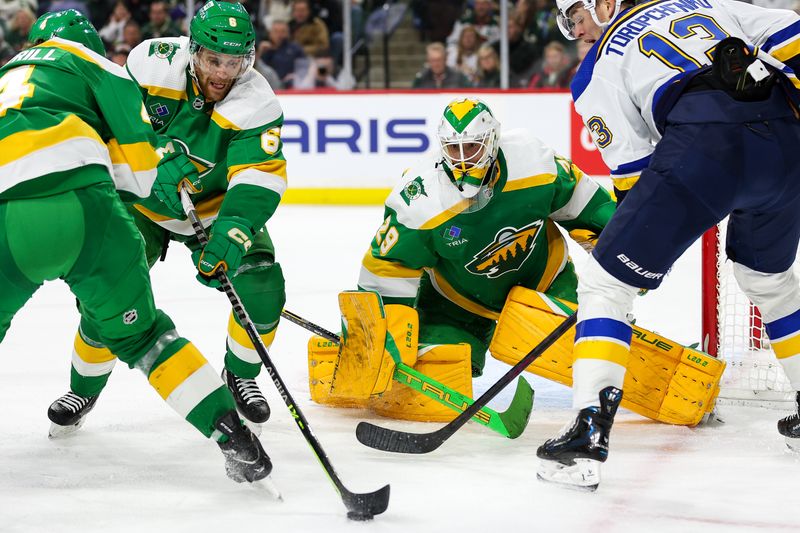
pixel 129 317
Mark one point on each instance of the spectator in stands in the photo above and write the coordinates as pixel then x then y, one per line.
pixel 464 56
pixel 112 32
pixel 437 75
pixel 483 18
pixel 582 49
pixel 276 10
pixel 539 22
pixel 269 74
pixel 555 69
pixel 522 54
pixel 488 68
pixel 9 8
pixel 321 73
pixel 119 54
pixel 6 50
pixel 280 53
pixel 131 34
pixel 435 18
pixel 307 30
pixel 19 28
pixel 160 24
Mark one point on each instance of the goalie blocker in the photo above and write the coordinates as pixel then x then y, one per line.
pixel 664 380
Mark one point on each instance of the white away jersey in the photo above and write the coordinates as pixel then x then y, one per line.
pixel 649 47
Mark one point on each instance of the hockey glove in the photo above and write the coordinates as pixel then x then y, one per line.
pixel 175 170
pixel 230 239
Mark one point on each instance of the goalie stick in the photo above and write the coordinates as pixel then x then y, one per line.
pixel 509 423
pixel 391 440
pixel 359 506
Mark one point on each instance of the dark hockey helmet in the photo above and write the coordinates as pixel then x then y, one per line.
pixel 69 24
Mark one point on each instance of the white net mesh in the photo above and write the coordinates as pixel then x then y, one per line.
pixel 753 374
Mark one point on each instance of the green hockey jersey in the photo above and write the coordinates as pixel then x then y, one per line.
pixel 474 258
pixel 69 118
pixel 234 143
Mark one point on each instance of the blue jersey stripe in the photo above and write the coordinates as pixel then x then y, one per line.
pixel 584 74
pixel 784 326
pixel 634 167
pixel 781 36
pixel 603 327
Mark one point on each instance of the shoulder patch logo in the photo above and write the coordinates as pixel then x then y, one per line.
pixel 413 190
pixel 509 250
pixel 163 50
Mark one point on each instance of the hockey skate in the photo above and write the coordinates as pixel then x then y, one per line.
pixel 573 457
pixel 68 414
pixel 789 427
pixel 245 458
pixel 250 402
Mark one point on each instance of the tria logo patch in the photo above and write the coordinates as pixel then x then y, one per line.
pixel 510 249
pixel 159 109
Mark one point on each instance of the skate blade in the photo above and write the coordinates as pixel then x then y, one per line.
pixel 793 444
pixel 59 432
pixel 267 485
pixel 584 475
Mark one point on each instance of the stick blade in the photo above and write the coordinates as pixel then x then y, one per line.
pixel 366 505
pixel 516 417
pixel 390 440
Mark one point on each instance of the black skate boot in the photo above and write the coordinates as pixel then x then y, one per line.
pixel 68 413
pixel 249 400
pixel 573 458
pixel 245 458
pixel 789 427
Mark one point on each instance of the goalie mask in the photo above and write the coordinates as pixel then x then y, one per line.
pixel 221 47
pixel 567 21
pixel 469 136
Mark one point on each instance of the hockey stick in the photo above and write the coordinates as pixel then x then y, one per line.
pixel 399 441
pixel 359 506
pixel 509 423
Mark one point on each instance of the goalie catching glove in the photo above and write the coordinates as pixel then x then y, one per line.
pixel 230 239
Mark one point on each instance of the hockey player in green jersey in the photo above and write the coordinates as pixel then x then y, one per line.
pixel 205 101
pixel 74 137
pixel 456 238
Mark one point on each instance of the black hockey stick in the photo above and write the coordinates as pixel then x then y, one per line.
pixel 359 506
pixel 402 442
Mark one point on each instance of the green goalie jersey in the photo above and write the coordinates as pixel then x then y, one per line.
pixel 66 123
pixel 474 258
pixel 234 143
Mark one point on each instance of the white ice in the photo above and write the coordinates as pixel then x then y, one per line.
pixel 136 467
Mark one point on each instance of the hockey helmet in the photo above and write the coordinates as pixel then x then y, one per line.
pixel 69 24
pixel 566 24
pixel 225 29
pixel 469 137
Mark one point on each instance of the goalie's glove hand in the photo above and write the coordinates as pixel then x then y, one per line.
pixel 587 239
pixel 230 239
pixel 175 170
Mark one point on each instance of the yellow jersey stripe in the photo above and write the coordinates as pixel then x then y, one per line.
pixel 465 303
pixel 91 354
pixel 787 348
pixel 556 257
pixel 786 52
pixel 529 182
pixel 223 122
pixel 205 208
pixel 239 334
pixel 625 184
pixel 276 167
pixel 603 350
pixel 23 143
pixel 388 269
pixel 175 370
pixel 443 217
pixel 166 92
pixel 139 156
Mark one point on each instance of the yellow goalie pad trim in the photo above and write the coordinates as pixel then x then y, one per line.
pixel 664 380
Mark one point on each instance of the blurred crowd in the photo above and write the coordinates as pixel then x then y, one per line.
pixel 300 42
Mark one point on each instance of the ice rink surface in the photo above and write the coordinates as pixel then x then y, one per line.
pixel 136 467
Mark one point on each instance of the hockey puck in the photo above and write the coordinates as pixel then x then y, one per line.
pixel 359 516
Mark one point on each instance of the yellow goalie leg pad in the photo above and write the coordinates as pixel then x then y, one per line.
pixel 322 356
pixel 664 380
pixel 449 364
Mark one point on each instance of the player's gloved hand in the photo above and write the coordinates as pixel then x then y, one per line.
pixel 229 241
pixel 175 170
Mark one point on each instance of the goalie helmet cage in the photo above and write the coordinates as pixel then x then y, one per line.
pixel 734 331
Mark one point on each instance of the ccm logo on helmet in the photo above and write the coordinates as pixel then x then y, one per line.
pixel 402 135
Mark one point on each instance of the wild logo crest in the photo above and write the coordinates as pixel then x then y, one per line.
pixel 511 247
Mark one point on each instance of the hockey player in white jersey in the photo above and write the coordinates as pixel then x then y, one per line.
pixel 692 104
